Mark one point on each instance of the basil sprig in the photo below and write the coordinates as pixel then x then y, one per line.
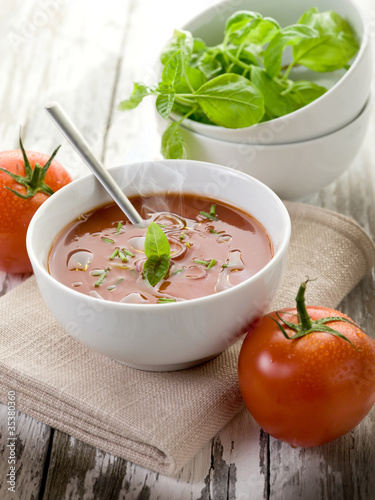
pixel 242 81
pixel 157 250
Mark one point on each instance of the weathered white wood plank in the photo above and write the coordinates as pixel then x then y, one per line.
pixel 31 446
pixel 73 59
pixel 80 471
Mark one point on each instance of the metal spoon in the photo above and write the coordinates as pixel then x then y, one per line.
pixel 76 139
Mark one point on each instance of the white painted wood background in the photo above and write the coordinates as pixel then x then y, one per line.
pixel 86 54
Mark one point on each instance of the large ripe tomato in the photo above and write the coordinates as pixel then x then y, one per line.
pixel 15 211
pixel 312 389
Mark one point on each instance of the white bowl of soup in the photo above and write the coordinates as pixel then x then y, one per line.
pixel 348 90
pixel 228 235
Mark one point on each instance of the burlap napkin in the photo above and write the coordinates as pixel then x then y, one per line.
pixel 159 420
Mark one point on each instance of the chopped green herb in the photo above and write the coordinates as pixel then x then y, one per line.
pixel 119 227
pixel 188 245
pixel 102 277
pixel 112 287
pixel 128 252
pixel 213 210
pixel 165 300
pixel 97 272
pixel 182 236
pixel 212 231
pixel 107 240
pixel 114 254
pixel 208 216
pixel 178 270
pixel 203 262
pixel 207 263
pixel 122 256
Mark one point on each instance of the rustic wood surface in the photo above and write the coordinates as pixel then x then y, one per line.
pixel 86 54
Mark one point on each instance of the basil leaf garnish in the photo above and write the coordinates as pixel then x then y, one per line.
pixel 157 250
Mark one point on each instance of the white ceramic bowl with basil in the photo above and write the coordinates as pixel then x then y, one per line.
pixel 348 90
pixel 161 336
pixel 294 171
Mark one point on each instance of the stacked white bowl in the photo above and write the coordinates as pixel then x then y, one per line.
pixel 299 153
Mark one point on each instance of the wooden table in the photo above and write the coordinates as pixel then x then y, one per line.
pixel 86 54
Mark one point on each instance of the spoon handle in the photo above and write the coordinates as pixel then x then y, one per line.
pixel 76 139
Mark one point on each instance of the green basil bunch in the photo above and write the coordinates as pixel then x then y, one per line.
pixel 242 80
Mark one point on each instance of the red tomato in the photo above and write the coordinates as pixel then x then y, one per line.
pixel 310 390
pixel 16 212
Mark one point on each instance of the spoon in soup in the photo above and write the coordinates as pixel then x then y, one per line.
pixel 70 131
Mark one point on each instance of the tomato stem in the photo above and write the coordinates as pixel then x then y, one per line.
pixel 303 315
pixel 33 180
pixel 306 325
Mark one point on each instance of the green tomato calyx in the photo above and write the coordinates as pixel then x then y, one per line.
pixel 33 180
pixel 305 324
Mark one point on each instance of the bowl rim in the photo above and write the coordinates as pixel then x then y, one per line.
pixel 364 111
pixel 364 44
pixel 35 260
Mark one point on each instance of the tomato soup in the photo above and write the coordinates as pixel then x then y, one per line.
pixel 213 247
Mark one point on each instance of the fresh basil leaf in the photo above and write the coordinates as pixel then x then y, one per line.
pixel 172 71
pixel 182 41
pixel 139 92
pixel 172 144
pixel 334 47
pixel 231 101
pixel 210 63
pixel 303 92
pixel 154 270
pixel 186 43
pixel 192 76
pixel 201 117
pixel 282 97
pixel 239 24
pixel 157 251
pixel 291 35
pixel 197 115
pixel 275 103
pixel 181 109
pixel 199 46
pixel 164 104
pixel 250 54
pixel 156 242
pixel 245 27
pixel 263 31
pixel 164 88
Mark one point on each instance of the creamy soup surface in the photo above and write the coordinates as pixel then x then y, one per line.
pixel 213 246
